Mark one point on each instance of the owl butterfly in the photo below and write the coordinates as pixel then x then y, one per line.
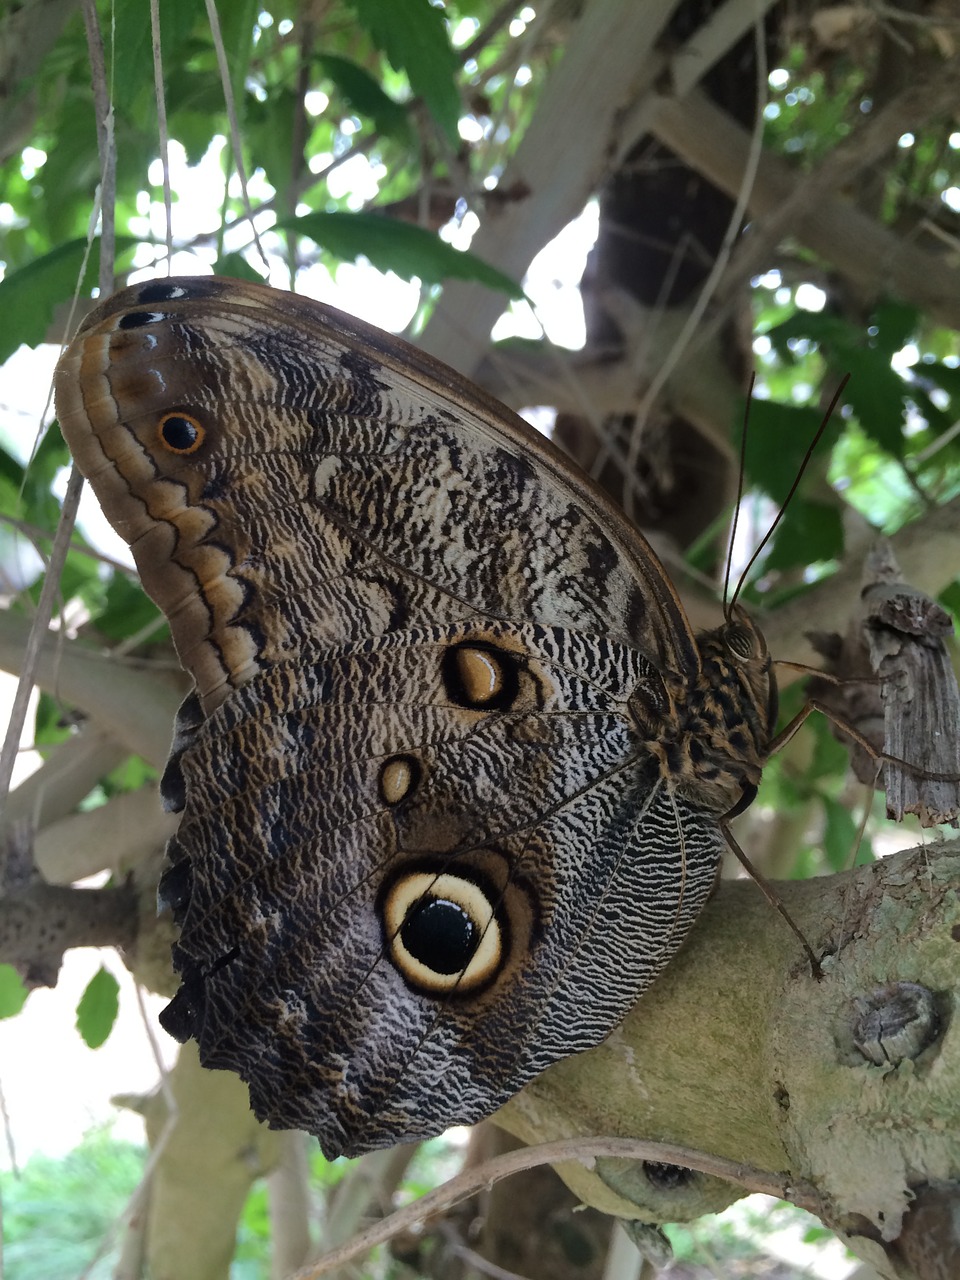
pixel 453 774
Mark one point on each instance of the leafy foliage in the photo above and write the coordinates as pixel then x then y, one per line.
pixel 98 1008
pixel 13 994
pixel 57 1212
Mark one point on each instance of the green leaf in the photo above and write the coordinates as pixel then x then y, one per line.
pixel 50 723
pixel 133 40
pixel 830 757
pixel 13 993
pixel 396 246
pixel 950 598
pixel 812 532
pixel 778 438
pixel 816 326
pixel 98 1007
pixel 29 296
pixel 875 393
pixel 413 36
pixel 896 323
pixel 127 610
pixel 237 267
pixel 131 775
pixel 945 376
pixel 362 94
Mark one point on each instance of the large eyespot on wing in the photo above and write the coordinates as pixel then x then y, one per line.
pixel 442 932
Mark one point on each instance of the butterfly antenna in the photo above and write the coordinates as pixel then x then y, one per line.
pixel 736 510
pixel 837 395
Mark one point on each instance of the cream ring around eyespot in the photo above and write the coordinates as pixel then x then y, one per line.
pixel 422 887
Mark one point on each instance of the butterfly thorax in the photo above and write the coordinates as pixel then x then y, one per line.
pixel 712 741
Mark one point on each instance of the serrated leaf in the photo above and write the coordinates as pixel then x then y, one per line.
pixel 396 246
pixel 875 393
pixel 778 438
pixel 361 93
pixel 98 1008
pixel 13 993
pixel 413 36
pixel 896 323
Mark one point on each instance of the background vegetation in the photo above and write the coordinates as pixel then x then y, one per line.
pixel 776 188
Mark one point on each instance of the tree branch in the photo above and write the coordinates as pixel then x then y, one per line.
pixel 39 922
pixel 609 66
pixel 865 252
pixel 737 1050
pixel 130 700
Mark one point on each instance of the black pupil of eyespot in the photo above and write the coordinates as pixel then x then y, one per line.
pixel 179 433
pixel 440 934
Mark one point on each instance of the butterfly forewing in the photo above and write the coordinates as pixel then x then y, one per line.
pixel 452 783
pixel 344 486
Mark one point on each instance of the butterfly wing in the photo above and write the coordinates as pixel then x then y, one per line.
pixel 423 851
pixel 341 484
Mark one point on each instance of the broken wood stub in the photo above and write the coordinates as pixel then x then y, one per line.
pixel 897 688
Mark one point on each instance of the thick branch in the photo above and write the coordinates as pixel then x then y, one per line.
pixel 39 922
pixel 737 1050
pixel 28 32
pixel 610 66
pixel 118 836
pixel 928 552
pixel 131 701
pixel 69 773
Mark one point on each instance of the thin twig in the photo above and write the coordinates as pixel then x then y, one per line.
pixel 71 500
pixel 659 381
pixel 231 108
pixel 164 136
pixel 584 1150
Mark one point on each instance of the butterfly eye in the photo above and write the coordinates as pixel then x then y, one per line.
pixel 443 935
pixel 180 433
pixel 740 641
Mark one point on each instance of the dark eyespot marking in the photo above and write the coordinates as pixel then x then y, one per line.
pixel 479 676
pixel 180 433
pixel 399 777
pixel 137 319
pixel 162 291
pixel 442 933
